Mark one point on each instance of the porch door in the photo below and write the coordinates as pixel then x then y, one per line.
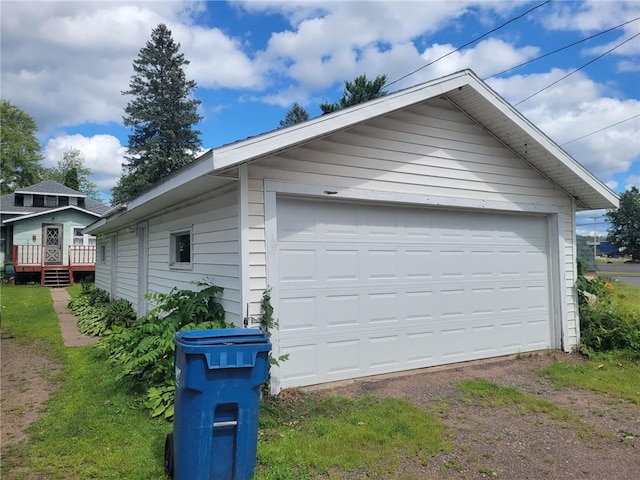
pixel 52 235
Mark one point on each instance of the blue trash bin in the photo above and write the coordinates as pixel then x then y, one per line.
pixel 215 427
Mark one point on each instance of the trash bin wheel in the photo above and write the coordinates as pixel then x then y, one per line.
pixel 168 455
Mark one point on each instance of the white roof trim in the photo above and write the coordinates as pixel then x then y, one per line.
pixel 254 148
pixel 52 194
pixel 49 212
pixel 271 142
pixel 533 131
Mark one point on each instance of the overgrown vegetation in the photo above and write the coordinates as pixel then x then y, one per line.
pixel 266 322
pixel 605 324
pixel 98 314
pixel 311 436
pixel 94 426
pixel 142 350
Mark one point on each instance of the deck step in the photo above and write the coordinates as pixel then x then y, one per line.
pixel 56 277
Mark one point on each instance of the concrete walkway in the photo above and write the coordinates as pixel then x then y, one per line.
pixel 68 321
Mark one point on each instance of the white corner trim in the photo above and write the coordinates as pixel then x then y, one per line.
pixel 243 220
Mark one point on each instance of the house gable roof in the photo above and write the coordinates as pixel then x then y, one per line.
pixel 472 96
pixel 49 211
pixel 49 187
pixel 463 89
pixel 8 204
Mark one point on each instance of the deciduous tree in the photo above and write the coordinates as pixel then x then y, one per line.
pixel 20 151
pixel 72 171
pixel 360 90
pixel 625 223
pixel 162 114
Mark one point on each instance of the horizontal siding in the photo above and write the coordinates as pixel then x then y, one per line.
pixel 103 268
pixel 433 149
pixel 127 284
pixel 215 249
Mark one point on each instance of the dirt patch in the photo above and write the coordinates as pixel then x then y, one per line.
pixel 599 439
pixel 28 379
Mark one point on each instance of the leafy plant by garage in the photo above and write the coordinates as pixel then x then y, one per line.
pixel 144 351
pixel 604 324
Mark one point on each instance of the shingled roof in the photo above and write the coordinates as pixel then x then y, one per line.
pixel 48 187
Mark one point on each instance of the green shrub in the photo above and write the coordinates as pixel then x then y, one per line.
pixel 97 313
pixel 605 326
pixel 143 350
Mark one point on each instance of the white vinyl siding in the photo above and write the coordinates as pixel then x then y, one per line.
pixel 431 150
pixel 127 284
pixel 103 267
pixel 214 249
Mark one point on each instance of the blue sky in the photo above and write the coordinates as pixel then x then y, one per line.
pixel 66 64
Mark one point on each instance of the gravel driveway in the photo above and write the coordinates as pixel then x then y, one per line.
pixel 600 441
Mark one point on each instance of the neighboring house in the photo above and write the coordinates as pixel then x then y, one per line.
pixel 433 225
pixel 42 233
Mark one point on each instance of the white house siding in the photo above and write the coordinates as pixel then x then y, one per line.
pixel 431 150
pixel 127 284
pixel 215 248
pixel 103 267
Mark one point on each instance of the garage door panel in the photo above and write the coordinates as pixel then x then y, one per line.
pixel 372 289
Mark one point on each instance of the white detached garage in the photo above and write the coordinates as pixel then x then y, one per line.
pixel 431 226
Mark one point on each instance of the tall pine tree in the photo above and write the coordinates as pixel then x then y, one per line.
pixel 360 90
pixel 296 114
pixel 162 115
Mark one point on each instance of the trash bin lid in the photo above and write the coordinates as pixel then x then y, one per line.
pixel 224 336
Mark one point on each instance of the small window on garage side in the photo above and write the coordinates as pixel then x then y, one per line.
pixel 180 256
pixel 103 253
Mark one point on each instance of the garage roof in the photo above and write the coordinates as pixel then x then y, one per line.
pixel 464 89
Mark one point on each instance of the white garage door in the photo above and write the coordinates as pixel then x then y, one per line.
pixel 366 289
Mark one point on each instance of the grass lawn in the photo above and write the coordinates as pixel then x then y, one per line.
pixel 92 427
pixel 95 427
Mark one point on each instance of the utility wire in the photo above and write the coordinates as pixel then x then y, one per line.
pixel 577 69
pixel 470 42
pixel 600 130
pixel 563 48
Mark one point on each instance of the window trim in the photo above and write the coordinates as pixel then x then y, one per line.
pixel 173 236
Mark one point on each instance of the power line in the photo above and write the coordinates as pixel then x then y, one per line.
pixel 577 69
pixel 470 42
pixel 563 48
pixel 600 130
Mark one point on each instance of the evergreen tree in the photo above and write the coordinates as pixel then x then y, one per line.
pixel 295 115
pixel 72 171
pixel 625 223
pixel 20 152
pixel 161 113
pixel 360 90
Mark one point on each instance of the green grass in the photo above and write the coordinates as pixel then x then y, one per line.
pixel 485 393
pixel 315 435
pixel 93 427
pixel 627 295
pixel 610 373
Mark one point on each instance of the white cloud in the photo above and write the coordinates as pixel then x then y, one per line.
pixel 66 63
pixel 590 15
pixel 632 181
pixel 575 107
pixel 103 154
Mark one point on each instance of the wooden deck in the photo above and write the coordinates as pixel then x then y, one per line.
pixel 31 259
